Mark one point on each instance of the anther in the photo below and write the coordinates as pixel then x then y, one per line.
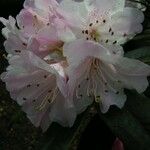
pixel 24 98
pixel 124 34
pixel 104 21
pixel 24 44
pixel 86 31
pixel 38 85
pixel 29 85
pixel 45 76
pixel 117 92
pixel 114 42
pixel 90 24
pixel 18 51
pixel 106 41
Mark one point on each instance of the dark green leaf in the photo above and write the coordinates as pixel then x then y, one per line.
pixel 124 125
pixel 142 54
pixel 60 138
pixel 139 105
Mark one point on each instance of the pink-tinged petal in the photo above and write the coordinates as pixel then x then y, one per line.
pixel 37 90
pixel 69 6
pixel 14 45
pixel 78 86
pixel 34 46
pixel 118 145
pixel 62 113
pixel 79 50
pixel 30 22
pixel 75 9
pixel 43 8
pixel 48 39
pixel 65 34
pixel 36 61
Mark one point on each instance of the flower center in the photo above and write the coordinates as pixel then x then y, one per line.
pixel 55 53
pixel 91 32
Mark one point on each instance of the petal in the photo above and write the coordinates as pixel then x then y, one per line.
pixel 105 6
pixel 40 4
pixel 132 67
pixel 10 26
pixel 36 61
pixel 128 13
pixel 31 87
pixel 111 98
pixel 14 45
pixel 61 113
pixel 78 86
pixel 76 12
pixel 124 25
pixel 78 50
pixel 133 74
pixel 34 46
pixel 30 22
pixel 64 32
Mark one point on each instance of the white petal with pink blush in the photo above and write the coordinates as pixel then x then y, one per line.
pixel 40 89
pixel 100 74
pixel 103 21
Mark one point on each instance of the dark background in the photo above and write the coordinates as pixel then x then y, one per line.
pixel 16 132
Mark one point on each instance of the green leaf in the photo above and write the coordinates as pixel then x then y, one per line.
pixel 125 126
pixel 139 105
pixel 132 123
pixel 60 138
pixel 142 54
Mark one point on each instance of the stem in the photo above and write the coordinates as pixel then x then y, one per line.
pixel 89 114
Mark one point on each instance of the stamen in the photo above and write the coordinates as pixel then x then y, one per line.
pixel 50 97
pixel 90 24
pixel 104 21
pixel 114 42
pixel 112 33
pixel 86 31
pixel 110 30
pixel 106 41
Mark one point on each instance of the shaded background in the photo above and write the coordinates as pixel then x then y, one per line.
pixel 16 131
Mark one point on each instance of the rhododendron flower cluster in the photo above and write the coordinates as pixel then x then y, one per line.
pixel 65 56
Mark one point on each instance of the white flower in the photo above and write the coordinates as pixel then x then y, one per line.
pixel 97 69
pixel 100 72
pixel 103 21
pixel 40 88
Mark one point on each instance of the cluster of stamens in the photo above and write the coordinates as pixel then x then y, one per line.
pixel 95 77
pixel 91 32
